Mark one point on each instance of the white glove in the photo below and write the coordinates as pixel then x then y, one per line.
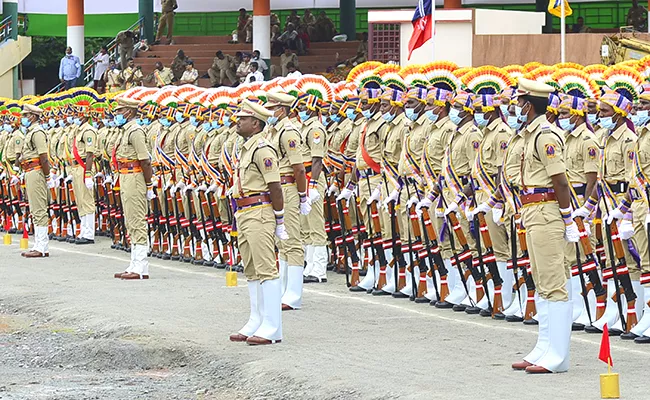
pixel 229 191
pixel 392 197
pixel 51 183
pixel 497 214
pixel 212 188
pixel 375 196
pixel 571 233
pixel 109 179
pixel 614 214
pixel 190 187
pixel 2 176
pixel 180 186
pixel 345 194
pixel 89 183
pixel 483 207
pixel 413 200
pixel 424 203
pixel 168 185
pixel 16 169
pixel 625 229
pixel 150 194
pixel 581 212
pixel 439 213
pixel 305 207
pixel 219 191
pixel 98 175
pixel 202 187
pixel 333 190
pixel 452 207
pixel 14 180
pixel 647 219
pixel 68 179
pixel 313 195
pixel 281 232
pixel 587 228
pixel 154 181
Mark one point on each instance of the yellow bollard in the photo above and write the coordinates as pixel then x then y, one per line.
pixel 7 239
pixel 609 388
pixel 231 279
pixel 24 244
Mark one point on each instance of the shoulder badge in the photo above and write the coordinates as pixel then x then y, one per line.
pixel 261 143
pixel 292 144
pixel 630 155
pixel 549 149
pixel 89 140
pixel 503 145
pixel 268 164
pixel 317 137
pixel 592 152
pixel 475 144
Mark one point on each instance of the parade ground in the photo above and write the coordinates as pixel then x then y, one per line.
pixel 68 330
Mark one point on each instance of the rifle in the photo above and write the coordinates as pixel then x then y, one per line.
pixel 348 239
pixel 398 259
pixel 153 222
pixel 377 243
pixel 123 242
pixel 420 289
pixel 590 267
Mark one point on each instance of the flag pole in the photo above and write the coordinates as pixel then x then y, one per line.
pixel 433 30
pixel 562 33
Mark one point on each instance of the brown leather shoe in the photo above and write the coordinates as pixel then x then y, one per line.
pixel 286 307
pixel 260 341
pixel 34 254
pixel 118 275
pixel 521 365
pixel 536 369
pixel 133 276
pixel 238 337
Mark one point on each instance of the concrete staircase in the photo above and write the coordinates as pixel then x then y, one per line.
pixel 202 49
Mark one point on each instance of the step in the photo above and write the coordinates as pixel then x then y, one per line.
pixel 204 56
pixel 228 48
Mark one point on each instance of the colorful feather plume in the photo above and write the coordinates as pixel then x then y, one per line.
pixel 487 80
pixel 441 75
pixel 576 83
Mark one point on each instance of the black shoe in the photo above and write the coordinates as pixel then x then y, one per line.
pixel 196 262
pixel 642 340
pixel 379 292
pixel 459 307
pixel 472 310
pixel 238 268
pixel 421 300
pixel 155 43
pixel 369 291
pixel 629 336
pixel 353 288
pixel 592 329
pixel 84 241
pixel 531 322
pixel 220 265
pixel 187 260
pixel 330 267
pixel 127 249
pixel 577 327
pixel 400 295
pixel 442 304
pixel 484 313
pixel 615 332
pixel 363 272
pixel 208 263
pixel 514 318
pixel 165 256
pixel 175 258
pixel 70 239
pixel 499 316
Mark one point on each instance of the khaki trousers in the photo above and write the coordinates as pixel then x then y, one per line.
pixel 291 249
pixel 85 197
pixel 635 274
pixel 133 191
pixel 37 196
pixel 639 212
pixel 498 233
pixel 546 248
pixel 217 76
pixel 166 20
pixel 386 227
pixel 256 239
pixel 313 225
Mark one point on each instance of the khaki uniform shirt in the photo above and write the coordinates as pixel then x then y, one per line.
pixel 164 77
pixel 338 135
pixel 14 144
pixel 190 77
pixel 391 138
pixel 493 146
pixel 256 167
pixel 223 64
pixel 168 6
pixel 286 59
pixel 618 155
pixel 350 149
pixel 34 144
pixel 85 138
pixel 581 154
pixel 285 139
pixel 314 138
pixel 543 155
pixel 439 135
pixel 131 77
pixel 370 140
pixel 113 80
pixel 464 144
pixel 413 144
pixel 133 143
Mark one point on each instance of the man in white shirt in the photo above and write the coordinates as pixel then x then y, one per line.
pixel 190 76
pixel 101 65
pixel 260 63
pixel 255 75
pixel 293 72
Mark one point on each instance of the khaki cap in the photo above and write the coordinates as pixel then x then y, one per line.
pixel 126 103
pixel 279 99
pixel 533 88
pixel 31 109
pixel 250 109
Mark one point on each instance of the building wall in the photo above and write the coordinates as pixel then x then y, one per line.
pixel 12 52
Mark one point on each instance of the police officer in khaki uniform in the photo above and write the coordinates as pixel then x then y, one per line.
pixel 285 139
pixel 546 213
pixel 32 155
pixel 134 167
pixel 260 214
pixel 81 141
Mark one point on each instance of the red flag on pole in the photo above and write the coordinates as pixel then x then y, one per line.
pixel 605 354
pixel 422 25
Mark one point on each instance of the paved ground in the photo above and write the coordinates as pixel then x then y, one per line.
pixel 68 330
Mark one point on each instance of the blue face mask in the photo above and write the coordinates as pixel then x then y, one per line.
pixel 432 117
pixel 179 117
pixel 52 122
pixel 77 121
pixel 513 122
pixel 272 120
pixel 411 114
pixel 504 110
pixel 519 112
pixel 45 125
pixel 120 120
pixel 336 118
pixel 454 116
pixel 607 123
pixel 367 114
pixel 227 122
pixel 303 115
pixel 70 120
pixel 193 121
pixel 325 119
pixel 7 127
pixel 480 120
pixel 592 118
pixel 635 119
pixel 565 124
pixel 95 125
pixel 643 117
pixel 388 117
pixel 139 121
pixel 207 127
pixel 61 123
pixel 215 125
pixel 350 114
pixel 105 121
pixel 165 122
pixel 146 122
pixel 23 130
pixel 24 121
pixel 111 123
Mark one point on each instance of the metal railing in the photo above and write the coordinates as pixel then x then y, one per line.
pixel 5 29
pixel 89 66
